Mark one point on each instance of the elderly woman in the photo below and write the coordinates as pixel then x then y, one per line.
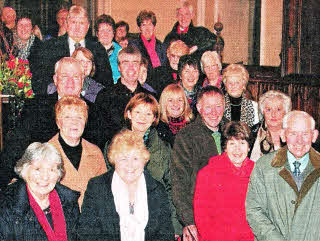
pixel 168 73
pixel 105 29
pixel 149 46
pixel 142 115
pixel 38 208
pixel 27 45
pixel 221 187
pixel 126 203
pixel 273 105
pixel 188 70
pixel 82 160
pixel 237 106
pixel 211 66
pixel 90 88
pixel 175 112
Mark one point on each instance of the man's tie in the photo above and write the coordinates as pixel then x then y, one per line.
pixel 77 45
pixel 296 171
pixel 217 138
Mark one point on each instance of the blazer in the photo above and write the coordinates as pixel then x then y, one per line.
pixel 100 221
pixel 92 164
pixel 55 49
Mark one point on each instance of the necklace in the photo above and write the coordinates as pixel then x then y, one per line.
pixel 131 208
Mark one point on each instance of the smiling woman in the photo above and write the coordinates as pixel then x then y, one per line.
pixel 39 199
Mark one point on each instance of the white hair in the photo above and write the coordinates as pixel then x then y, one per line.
pixel 210 55
pixel 273 94
pixel 295 113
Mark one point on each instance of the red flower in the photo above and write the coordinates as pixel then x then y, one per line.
pixel 29 93
pixel 11 57
pixel 29 73
pixel 20 85
pixel 11 64
pixel 26 62
pixel 20 61
pixel 27 84
pixel 13 80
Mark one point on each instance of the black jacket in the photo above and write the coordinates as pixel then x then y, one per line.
pixel 55 49
pixel 100 221
pixel 19 222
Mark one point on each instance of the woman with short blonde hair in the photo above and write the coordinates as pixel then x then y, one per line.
pixel 211 66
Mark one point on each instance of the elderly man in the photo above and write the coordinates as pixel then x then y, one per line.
pixel 193 147
pixel 63 46
pixel 8 17
pixel 7 29
pixel 112 102
pixel 198 39
pixel 283 198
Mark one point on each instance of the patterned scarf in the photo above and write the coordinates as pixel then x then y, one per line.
pixel 24 49
pixel 247 110
pixel 176 124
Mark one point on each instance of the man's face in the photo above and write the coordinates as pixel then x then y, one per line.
pixel 211 108
pixel 77 27
pixel 120 32
pixel 24 29
pixel 184 17
pixel 105 34
pixel 62 18
pixel 69 79
pixel 147 28
pixel 8 15
pixel 129 67
pixel 299 135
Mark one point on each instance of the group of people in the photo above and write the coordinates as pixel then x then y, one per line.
pixel 144 140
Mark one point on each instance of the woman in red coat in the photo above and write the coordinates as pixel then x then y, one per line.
pixel 221 188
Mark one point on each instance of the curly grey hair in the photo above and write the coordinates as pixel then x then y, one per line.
pixel 39 151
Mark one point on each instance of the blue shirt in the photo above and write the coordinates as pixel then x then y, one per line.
pixel 303 160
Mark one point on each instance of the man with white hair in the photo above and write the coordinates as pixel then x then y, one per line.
pixel 198 39
pixel 64 46
pixel 283 198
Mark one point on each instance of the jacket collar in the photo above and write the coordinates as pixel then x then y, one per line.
pixel 281 157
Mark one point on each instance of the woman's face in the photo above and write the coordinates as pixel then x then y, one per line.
pixel 105 34
pixel 129 166
pixel 237 150
pixel 211 69
pixel 175 105
pixel 141 118
pixel 189 77
pixel 274 112
pixel 41 177
pixel 24 29
pixel 235 85
pixel 143 73
pixel 85 62
pixel 147 28
pixel 71 123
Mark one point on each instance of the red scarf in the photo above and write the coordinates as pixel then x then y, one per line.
pixel 183 31
pixel 174 75
pixel 59 223
pixel 151 49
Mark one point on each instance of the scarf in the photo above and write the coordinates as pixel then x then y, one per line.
pixel 24 49
pixel 247 110
pixel 59 231
pixel 131 225
pixel 176 124
pixel 151 49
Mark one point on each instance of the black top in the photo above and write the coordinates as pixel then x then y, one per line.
pixel 72 152
pixel 235 108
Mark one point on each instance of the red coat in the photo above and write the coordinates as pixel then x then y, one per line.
pixel 219 200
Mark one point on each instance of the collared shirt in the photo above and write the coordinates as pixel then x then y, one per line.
pixel 303 160
pixel 71 43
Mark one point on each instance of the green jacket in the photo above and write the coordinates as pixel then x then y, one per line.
pixel 275 209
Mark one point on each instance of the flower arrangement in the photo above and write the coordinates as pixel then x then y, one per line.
pixel 15 77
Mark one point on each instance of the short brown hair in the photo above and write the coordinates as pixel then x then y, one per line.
pixel 170 90
pixel 107 19
pixel 237 130
pixel 146 15
pixel 131 49
pixel 88 54
pixel 125 141
pixel 71 101
pixel 146 99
